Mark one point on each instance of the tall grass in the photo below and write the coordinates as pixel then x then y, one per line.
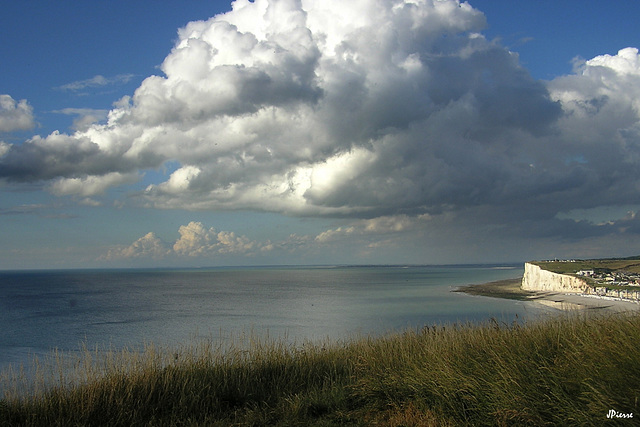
pixel 568 370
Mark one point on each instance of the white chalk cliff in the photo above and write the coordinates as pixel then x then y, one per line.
pixel 537 279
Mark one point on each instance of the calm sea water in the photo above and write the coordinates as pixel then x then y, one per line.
pixel 42 310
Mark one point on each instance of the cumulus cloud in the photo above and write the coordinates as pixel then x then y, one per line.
pixel 599 142
pixel 147 246
pixel 408 90
pixel 90 185
pixel 15 115
pixel 196 240
pixel 367 110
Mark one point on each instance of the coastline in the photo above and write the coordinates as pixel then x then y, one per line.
pixel 511 289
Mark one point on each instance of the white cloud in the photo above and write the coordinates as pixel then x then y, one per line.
pixel 361 109
pixel 600 131
pixel 625 62
pixel 15 115
pixel 4 148
pixel 180 179
pixel 91 185
pixel 196 240
pixel 228 242
pixel 147 246
pixel 329 235
pixel 376 227
pixel 601 80
pixel 96 81
pixel 393 224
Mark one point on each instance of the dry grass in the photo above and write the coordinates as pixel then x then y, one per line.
pixel 568 370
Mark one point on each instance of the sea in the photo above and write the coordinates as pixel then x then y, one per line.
pixel 67 309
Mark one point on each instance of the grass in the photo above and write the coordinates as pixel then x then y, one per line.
pixel 629 265
pixel 564 370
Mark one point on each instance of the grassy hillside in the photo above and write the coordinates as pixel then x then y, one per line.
pixel 629 265
pixel 568 370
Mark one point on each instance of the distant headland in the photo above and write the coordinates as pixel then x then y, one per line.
pixel 567 284
pixel 614 278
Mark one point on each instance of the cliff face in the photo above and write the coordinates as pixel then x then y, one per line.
pixel 537 279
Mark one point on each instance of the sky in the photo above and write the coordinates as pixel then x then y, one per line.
pixel 147 133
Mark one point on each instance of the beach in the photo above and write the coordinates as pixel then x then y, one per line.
pixel 511 289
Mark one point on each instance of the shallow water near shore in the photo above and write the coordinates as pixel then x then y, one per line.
pixel 43 310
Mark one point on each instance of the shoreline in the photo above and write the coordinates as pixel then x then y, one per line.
pixel 511 289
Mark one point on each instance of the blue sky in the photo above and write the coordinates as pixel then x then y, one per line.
pixel 317 132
